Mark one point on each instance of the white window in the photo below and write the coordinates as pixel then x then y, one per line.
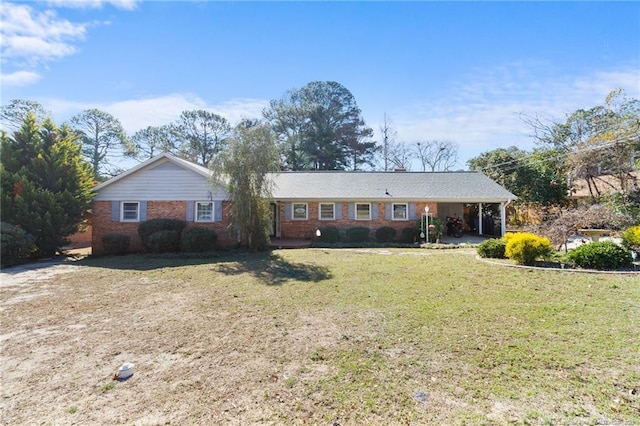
pixel 327 211
pixel 130 211
pixel 363 211
pixel 299 211
pixel 400 212
pixel 204 211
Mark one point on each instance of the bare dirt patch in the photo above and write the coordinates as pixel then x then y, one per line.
pixel 199 354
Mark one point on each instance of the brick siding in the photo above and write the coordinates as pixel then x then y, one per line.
pixel 289 228
pixel 296 229
pixel 103 224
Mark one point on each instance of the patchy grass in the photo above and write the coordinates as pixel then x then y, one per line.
pixel 361 336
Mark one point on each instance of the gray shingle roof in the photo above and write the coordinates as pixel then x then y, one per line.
pixel 467 187
pixel 425 186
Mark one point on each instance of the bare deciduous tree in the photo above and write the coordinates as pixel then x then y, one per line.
pixel 388 134
pixel 437 155
pixel 600 140
pixel 568 221
pixel 400 155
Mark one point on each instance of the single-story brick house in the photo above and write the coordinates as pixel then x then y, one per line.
pixel 169 187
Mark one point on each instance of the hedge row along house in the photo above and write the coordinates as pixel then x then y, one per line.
pixel 303 202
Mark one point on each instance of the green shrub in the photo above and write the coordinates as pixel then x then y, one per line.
pixel 600 255
pixel 385 234
pixel 493 248
pixel 164 241
pixel 15 246
pixel 329 235
pixel 151 226
pixel 524 248
pixel 410 234
pixel 198 239
pixel 116 243
pixel 631 238
pixel 434 230
pixel 358 234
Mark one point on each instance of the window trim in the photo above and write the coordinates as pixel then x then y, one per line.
pixel 406 211
pixel 333 211
pixel 137 204
pixel 213 212
pixel 356 211
pixel 293 211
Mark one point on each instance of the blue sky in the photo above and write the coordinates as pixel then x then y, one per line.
pixel 460 71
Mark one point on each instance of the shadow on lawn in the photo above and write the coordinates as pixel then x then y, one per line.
pixel 274 270
pixel 266 266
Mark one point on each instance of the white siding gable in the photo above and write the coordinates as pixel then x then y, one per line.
pixel 161 181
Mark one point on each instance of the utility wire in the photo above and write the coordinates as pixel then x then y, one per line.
pixel 529 161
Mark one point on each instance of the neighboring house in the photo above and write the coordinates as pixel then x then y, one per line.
pixel 601 185
pixel 169 187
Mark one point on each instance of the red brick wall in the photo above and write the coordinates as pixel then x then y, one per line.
pixel 102 223
pixel 306 229
pixel 289 229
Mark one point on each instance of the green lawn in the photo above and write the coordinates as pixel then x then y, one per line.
pixel 320 336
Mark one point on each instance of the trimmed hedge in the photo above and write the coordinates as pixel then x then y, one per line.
pixel 358 234
pixel 410 234
pixel 385 234
pixel 198 239
pixel 600 255
pixel 329 235
pixel 116 243
pixel 151 226
pixel 492 248
pixel 16 244
pixel 164 241
pixel 524 248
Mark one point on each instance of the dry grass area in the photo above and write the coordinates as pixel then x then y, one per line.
pixel 317 337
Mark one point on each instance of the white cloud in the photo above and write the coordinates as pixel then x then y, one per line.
pixel 30 38
pixel 19 78
pixel 136 114
pixel 37 35
pixel 94 4
pixel 35 48
pixel 483 112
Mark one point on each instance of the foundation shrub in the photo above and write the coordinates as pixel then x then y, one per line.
pixel 631 238
pixel 165 241
pixel 524 248
pixel 329 235
pixel 600 255
pixel 151 226
pixel 198 239
pixel 16 244
pixel 116 243
pixel 492 248
pixel 385 234
pixel 357 234
pixel 410 234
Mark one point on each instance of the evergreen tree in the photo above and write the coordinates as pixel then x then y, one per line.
pixel 320 127
pixel 46 184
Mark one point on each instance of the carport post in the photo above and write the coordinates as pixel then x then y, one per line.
pixel 479 218
pixel 503 219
